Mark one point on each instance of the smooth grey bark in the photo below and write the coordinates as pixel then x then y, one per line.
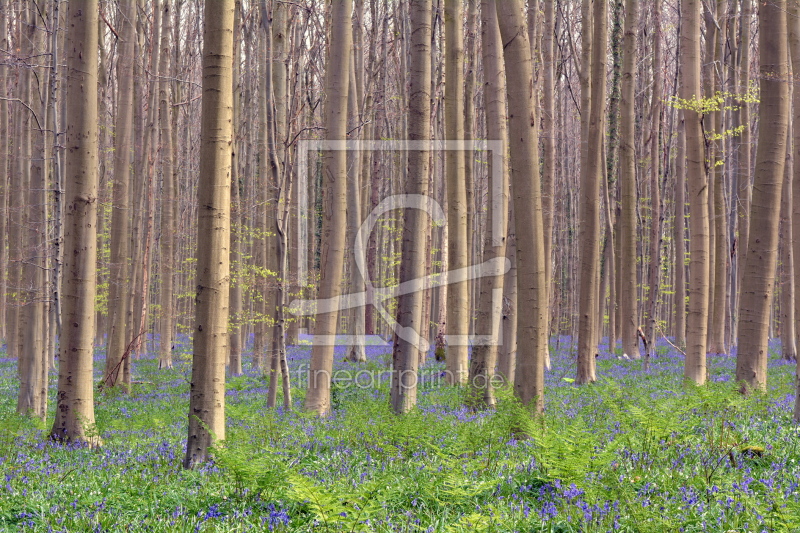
pixel 119 270
pixel 590 202
pixel 696 167
pixel 207 394
pixel 168 198
pixel 532 326
pixel 406 352
pixel 74 420
pixel 458 297
pixel 679 305
pixel 758 282
pixel 629 323
pixel 794 49
pixel 318 398
pixel 489 323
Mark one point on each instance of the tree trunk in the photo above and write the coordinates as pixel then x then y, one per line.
pixel 612 169
pixel 720 231
pixel 523 132
pixel 207 396
pixel 697 323
pixel 610 261
pixel 235 317
pixel 355 344
pixel 507 358
pixel 743 177
pixel 655 174
pixel 458 311
pixel 473 243
pixel 74 421
pixel 409 341
pixel 33 366
pixel 334 223
pixel 484 352
pixel 119 277
pixel 628 227
pixel 585 78
pixel 261 219
pixel 788 336
pixel 680 238
pixel 5 15
pixel 590 201
pixel 142 213
pixel 168 198
pixel 277 103
pixel 794 47
pixel 548 144
pixel 758 283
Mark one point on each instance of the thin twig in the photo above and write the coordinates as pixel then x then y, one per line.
pixel 125 355
pixel 663 336
pixel 110 27
pixel 35 117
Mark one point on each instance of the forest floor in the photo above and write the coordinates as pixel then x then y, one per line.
pixel 638 451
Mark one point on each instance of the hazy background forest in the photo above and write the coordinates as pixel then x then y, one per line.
pixel 409 230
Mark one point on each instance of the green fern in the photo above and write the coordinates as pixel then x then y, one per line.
pixel 260 471
pixel 336 511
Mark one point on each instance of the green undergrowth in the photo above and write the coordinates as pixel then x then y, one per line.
pixel 637 452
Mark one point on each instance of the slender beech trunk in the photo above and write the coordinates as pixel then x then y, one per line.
pixel 697 173
pixel 758 283
pixel 74 418
pixel 484 354
pixel 709 129
pixel 106 108
pixel 23 123
pixel 719 303
pixel 5 15
pixel 628 227
pixel 788 332
pixel 507 357
pixel 235 325
pixel 274 164
pixel 207 396
pixel 355 347
pixel 260 252
pixel 655 174
pixel 119 273
pixel 458 312
pixel 56 273
pixel 296 267
pixel 318 398
pixel 138 191
pixel 473 243
pixel 142 227
pixel 177 97
pixel 33 367
pixel 590 202
pixel 277 104
pixel 743 177
pixel 585 79
pixel 610 259
pixel 548 143
pixel 680 237
pixel 523 132
pixel 408 341
pixel 612 169
pixel 281 193
pixel 168 197
pixel 794 47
